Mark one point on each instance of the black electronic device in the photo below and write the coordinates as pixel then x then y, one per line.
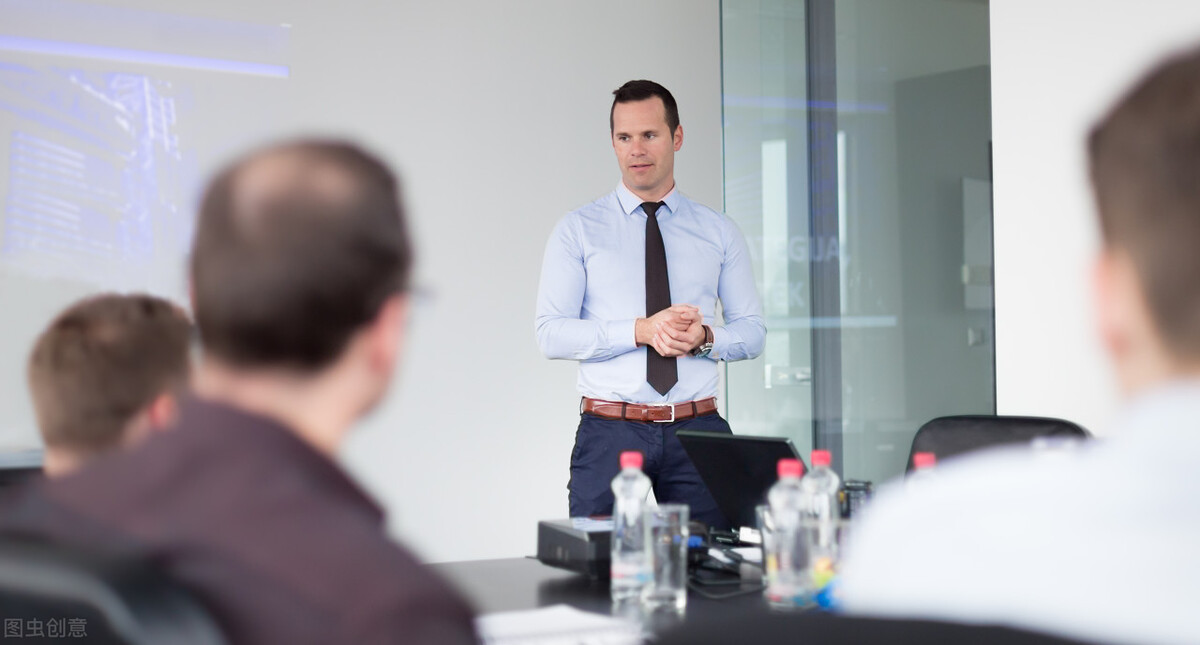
pixel 580 544
pixel 854 496
pixel 737 469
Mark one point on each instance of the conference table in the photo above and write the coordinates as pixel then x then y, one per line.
pixel 513 584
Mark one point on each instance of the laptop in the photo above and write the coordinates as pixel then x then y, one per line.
pixel 738 469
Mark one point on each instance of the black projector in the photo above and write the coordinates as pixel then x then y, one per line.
pixel 580 544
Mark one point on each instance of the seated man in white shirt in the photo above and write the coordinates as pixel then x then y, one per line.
pixel 1101 542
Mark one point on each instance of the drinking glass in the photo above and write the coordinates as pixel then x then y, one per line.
pixel 666 542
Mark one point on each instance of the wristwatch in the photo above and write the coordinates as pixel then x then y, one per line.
pixel 704 348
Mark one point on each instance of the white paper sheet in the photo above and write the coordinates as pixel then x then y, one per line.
pixel 555 625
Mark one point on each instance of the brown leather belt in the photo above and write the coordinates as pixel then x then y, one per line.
pixel 662 413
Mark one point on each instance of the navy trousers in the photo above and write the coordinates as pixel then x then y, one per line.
pixel 595 461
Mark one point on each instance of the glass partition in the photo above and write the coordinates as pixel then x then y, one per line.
pixel 857 163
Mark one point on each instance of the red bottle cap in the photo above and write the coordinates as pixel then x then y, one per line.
pixel 631 459
pixel 924 460
pixel 789 468
pixel 821 458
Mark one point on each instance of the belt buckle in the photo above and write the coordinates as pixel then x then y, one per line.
pixel 659 405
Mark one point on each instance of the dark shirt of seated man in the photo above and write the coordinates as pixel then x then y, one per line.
pixel 269 533
pixel 299 273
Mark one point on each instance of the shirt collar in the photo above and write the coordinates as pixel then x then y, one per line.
pixel 630 202
pixel 1167 408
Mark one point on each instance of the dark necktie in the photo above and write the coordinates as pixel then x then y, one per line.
pixel 661 372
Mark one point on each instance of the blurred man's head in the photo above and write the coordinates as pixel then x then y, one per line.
pixel 299 267
pixel 1145 168
pixel 105 373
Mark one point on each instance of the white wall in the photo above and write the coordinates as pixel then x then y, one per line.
pixel 1056 66
pixel 498 119
pixel 496 115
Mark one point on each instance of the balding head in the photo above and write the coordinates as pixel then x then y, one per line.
pixel 297 246
pixel 281 179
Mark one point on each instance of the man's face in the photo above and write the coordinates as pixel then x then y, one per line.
pixel 645 147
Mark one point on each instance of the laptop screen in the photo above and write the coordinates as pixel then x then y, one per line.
pixel 738 469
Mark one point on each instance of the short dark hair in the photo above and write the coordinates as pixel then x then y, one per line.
pixel 100 362
pixel 285 267
pixel 640 91
pixel 1145 171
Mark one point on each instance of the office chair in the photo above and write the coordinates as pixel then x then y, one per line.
pixel 949 437
pixel 14 476
pixel 53 592
pixel 828 629
pixel 19 466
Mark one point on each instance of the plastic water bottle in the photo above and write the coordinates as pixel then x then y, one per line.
pixel 923 472
pixel 820 490
pixel 783 555
pixel 630 562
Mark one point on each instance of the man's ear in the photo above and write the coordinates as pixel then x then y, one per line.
pixel 678 137
pixel 1106 299
pixel 162 412
pixel 158 416
pixel 388 330
pixel 1122 313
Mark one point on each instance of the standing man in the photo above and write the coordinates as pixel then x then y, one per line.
pixel 629 289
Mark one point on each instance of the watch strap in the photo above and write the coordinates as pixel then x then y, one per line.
pixel 706 345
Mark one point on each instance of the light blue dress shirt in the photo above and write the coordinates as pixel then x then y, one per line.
pixel 593 289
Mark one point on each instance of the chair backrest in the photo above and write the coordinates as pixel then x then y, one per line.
pixel 55 591
pixel 15 476
pixel 949 437
pixel 18 466
pixel 829 629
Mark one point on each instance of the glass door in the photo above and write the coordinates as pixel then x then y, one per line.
pixel 857 163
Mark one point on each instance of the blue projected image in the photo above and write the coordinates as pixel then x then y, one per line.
pixel 111 118
pixel 94 173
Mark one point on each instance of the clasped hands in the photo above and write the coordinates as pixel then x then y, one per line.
pixel 674 331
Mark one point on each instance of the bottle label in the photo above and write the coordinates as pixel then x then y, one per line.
pixel 629 572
